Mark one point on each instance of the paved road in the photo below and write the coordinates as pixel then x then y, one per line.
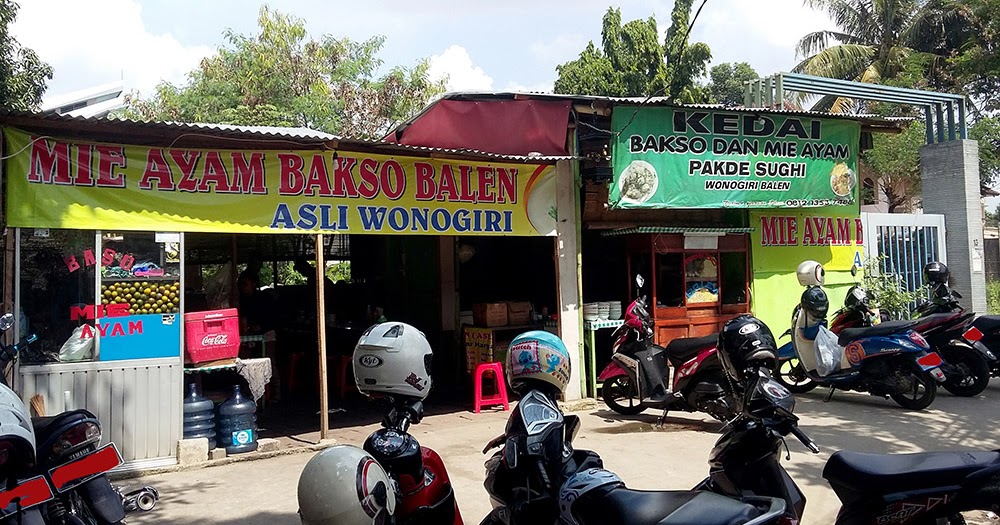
pixel 674 457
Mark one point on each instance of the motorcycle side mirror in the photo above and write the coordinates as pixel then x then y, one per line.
pixel 639 281
pixel 6 322
pixel 854 270
pixel 953 292
pixel 572 427
pixel 510 453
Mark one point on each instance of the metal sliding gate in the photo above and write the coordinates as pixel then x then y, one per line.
pixel 908 241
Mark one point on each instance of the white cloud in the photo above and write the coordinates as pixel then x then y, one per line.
pixel 562 48
pixel 456 64
pixel 94 42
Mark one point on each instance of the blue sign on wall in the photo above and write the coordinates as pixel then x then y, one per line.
pixel 140 337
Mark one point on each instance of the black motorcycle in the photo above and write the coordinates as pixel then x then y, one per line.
pixel 539 478
pixel 873 488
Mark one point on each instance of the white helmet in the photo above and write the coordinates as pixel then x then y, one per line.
pixel 811 273
pixel 393 358
pixel 344 485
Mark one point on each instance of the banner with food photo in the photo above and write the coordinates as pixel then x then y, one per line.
pixel 667 157
pixel 58 183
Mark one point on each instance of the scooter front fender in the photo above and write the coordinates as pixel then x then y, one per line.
pixel 786 352
pixel 612 370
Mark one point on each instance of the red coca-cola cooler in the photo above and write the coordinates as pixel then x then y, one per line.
pixel 211 335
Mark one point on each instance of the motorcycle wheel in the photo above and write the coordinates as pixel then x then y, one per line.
pixel 920 396
pixel 793 377
pixel 621 388
pixel 976 372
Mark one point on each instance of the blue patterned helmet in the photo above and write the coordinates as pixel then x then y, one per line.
pixel 537 356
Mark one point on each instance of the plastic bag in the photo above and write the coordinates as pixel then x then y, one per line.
pixel 828 352
pixel 77 348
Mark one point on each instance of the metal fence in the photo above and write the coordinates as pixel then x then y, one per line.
pixel 908 241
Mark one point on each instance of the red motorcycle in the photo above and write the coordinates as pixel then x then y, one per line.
pixel 424 485
pixel 638 376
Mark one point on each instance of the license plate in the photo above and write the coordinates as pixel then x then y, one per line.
pixel 28 493
pixel 973 334
pixel 929 361
pixel 86 468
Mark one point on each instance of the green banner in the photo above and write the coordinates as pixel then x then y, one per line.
pixel 697 158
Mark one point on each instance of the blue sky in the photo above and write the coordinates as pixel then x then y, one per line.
pixel 514 44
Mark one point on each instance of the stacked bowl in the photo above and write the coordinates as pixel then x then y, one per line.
pixel 591 311
pixel 603 310
pixel 615 312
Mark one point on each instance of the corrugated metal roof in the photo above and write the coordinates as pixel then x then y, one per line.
pixel 302 137
pixel 663 101
pixel 674 229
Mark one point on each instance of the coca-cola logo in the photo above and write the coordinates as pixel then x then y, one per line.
pixel 215 340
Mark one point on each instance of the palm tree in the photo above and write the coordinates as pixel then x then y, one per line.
pixel 879 40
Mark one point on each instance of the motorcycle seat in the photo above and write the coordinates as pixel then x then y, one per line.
pixel 888 473
pixel 987 324
pixel 848 335
pixel 683 349
pixel 641 507
pixel 935 320
pixel 44 425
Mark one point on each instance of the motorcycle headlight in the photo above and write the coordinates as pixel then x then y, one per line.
pixel 76 437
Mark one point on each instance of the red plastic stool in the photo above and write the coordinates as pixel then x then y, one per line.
pixel 500 398
pixel 343 363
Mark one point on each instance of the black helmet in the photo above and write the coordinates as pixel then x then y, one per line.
pixel 815 302
pixel 857 298
pixel 936 272
pixel 746 342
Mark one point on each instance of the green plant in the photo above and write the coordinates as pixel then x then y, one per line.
pixel 993 296
pixel 886 290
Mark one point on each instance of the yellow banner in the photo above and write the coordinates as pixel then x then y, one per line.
pixel 782 239
pixel 55 183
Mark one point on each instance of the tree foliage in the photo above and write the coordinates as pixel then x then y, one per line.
pixel 877 41
pixel 283 77
pixel 22 74
pixel 631 61
pixel 977 58
pixel 727 82
pixel 894 162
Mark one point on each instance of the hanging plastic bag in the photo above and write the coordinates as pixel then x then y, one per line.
pixel 77 347
pixel 828 352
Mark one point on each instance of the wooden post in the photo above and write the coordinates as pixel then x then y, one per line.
pixel 324 387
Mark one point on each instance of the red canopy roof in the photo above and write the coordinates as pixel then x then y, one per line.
pixel 509 127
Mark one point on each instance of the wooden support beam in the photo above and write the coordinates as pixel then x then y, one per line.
pixel 324 386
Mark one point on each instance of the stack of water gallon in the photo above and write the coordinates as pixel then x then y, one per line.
pixel 233 425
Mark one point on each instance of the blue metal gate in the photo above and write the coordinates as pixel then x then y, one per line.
pixel 908 241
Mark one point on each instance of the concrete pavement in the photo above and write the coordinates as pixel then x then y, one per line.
pixel 673 457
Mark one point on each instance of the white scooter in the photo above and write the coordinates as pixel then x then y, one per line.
pixel 20 493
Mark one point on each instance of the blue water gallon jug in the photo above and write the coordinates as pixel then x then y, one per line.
pixel 237 423
pixel 199 416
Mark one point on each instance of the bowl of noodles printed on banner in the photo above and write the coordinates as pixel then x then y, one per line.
pixel 842 180
pixel 540 204
pixel 638 182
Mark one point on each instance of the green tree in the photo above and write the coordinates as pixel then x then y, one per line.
pixel 986 130
pixel 22 73
pixel 727 82
pixel 632 62
pixel 282 77
pixel 894 163
pixel 977 60
pixel 877 41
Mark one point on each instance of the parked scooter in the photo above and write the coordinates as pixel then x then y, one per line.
pixel 888 359
pixel 967 361
pixel 638 376
pixel 68 460
pixel 538 478
pixel 22 491
pixel 393 480
pixel 922 488
pixel 983 332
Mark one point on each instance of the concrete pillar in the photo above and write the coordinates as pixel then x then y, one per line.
pixel 568 271
pixel 950 182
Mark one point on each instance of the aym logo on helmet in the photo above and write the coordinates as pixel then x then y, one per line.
pixel 215 340
pixel 370 361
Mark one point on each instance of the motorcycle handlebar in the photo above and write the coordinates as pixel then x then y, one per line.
pixel 804 439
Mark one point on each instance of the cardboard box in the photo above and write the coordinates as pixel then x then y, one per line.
pixel 489 314
pixel 518 312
